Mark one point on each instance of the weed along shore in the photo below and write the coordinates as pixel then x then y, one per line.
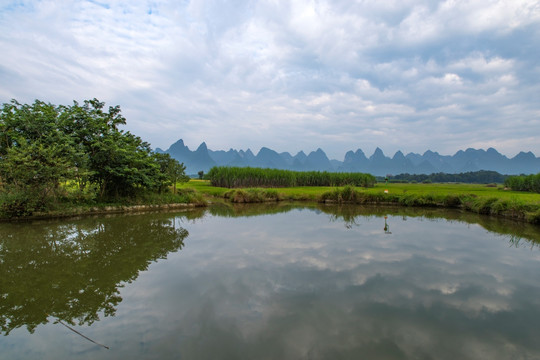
pixel 476 198
pixel 104 210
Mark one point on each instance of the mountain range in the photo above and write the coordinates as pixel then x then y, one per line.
pixel 356 161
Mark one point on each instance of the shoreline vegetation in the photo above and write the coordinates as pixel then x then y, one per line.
pixel 58 161
pixel 476 198
pixel 73 159
pixel 472 198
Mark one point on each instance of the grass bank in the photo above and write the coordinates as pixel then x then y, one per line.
pixel 66 207
pixel 475 198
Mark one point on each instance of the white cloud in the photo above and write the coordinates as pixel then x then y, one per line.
pixel 289 76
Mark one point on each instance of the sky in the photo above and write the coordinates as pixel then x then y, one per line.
pixel 289 75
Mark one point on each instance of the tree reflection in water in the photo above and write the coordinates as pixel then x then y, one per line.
pixel 73 272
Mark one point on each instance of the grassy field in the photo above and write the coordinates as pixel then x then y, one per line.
pixel 457 189
pixel 315 192
pixel 471 197
pixel 292 193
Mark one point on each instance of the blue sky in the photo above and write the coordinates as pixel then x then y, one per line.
pixel 289 75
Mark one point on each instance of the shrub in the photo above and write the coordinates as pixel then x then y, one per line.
pixel 19 203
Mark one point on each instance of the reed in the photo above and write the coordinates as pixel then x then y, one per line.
pixel 530 183
pixel 247 177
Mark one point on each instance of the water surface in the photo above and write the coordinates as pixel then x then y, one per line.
pixel 285 281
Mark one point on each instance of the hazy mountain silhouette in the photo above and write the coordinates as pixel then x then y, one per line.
pixel 377 164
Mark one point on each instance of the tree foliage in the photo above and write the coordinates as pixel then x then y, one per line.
pixel 43 146
pixel 172 171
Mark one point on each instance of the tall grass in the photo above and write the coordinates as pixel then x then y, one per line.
pixel 235 177
pixel 511 208
pixel 529 183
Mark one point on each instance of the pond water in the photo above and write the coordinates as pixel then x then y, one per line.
pixel 271 282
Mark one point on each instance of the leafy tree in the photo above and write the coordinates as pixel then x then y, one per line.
pixel 122 165
pixel 171 170
pixel 88 125
pixel 35 156
pixel 118 162
pixel 43 146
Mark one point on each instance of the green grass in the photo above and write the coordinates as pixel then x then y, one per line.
pixel 291 193
pixel 456 189
pixel 471 197
pixel 315 192
pixel 203 187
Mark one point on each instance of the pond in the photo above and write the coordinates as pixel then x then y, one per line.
pixel 280 281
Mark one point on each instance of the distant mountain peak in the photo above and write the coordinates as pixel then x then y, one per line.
pixel 430 153
pixel 177 145
pixel 359 152
pixel 398 155
pixel 377 164
pixel 525 155
pixel 202 147
pixel 378 154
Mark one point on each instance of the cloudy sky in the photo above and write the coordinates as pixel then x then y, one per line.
pixel 406 75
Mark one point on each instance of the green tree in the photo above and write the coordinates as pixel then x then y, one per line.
pixel 43 146
pixel 171 170
pixel 122 165
pixel 35 156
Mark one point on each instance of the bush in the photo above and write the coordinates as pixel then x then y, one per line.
pixel 19 203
